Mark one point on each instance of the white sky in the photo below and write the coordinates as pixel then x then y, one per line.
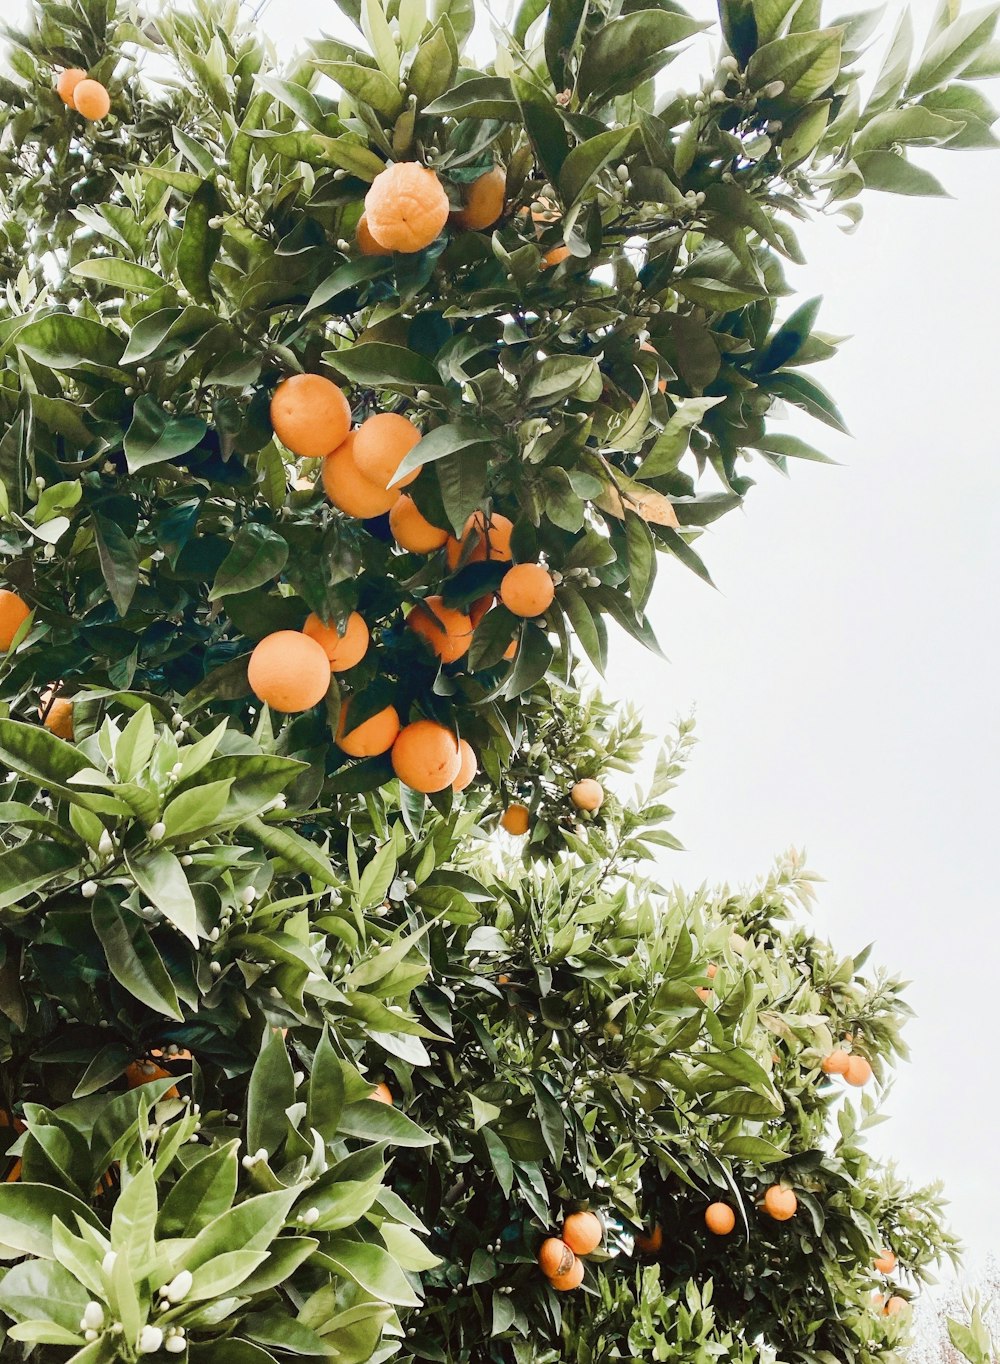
pixel 844 673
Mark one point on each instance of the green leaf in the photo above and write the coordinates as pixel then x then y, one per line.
pixel 532 662
pixel 166 333
pixel 160 877
pixel 375 363
pixel 251 1225
pixel 586 161
pixel 119 560
pixel 344 153
pixel 460 437
pixel 63 341
pixel 363 83
pixel 887 171
pixel 119 274
pixel 300 853
pixel 135 744
pixel 34 864
pixel 562 376
pixel 371 1267
pixel 132 956
pixel 462 480
pixel 672 442
pixel 433 69
pixel 199 243
pixel 953 50
pixel 258 555
pixel 271 1091
pixel 807 64
pixel 914 125
pixel 629 50
pixel 155 435
pixel 326 1090
pixel 202 1193
pixel 40 1290
pixel 478 97
pixel 26 1215
pixel 562 31
pixel 197 809
pixel 373 1121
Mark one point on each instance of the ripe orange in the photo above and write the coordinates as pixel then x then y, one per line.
pixel 555 1257
pixel 894 1306
pixel 720 1219
pixel 446 631
pixel 481 540
pixel 858 1071
pixel 703 993
pixel 527 589
pixel 348 489
pixel 482 202
pixel 516 819
pixel 780 1202
pixel 836 1063
pixel 382 1094
pixel 587 794
pixel 13 613
pixel 91 100
pixel 468 768
pixel 381 443
pixel 310 415
pixel 650 1242
pixel 343 650
pixel 885 1262
pixel 67 82
pixel 411 528
pixel 711 970
pixel 144 1072
pixel 56 715
pixel 583 1232
pixel 426 756
pixel 375 735
pixel 367 244
pixel 289 671
pixel 406 207
pixel 573 1278
pixel 555 256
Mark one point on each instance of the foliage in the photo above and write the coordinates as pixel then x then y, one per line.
pixel 217 934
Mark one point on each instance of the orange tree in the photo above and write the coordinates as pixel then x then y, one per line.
pixel 340 407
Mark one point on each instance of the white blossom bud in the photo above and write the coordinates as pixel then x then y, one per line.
pixel 175 1345
pixel 773 89
pixel 90 1335
pixel 214 935
pixel 150 1340
pixel 186 860
pixel 88 890
pixel 180 1286
pixel 39 482
pixel 423 395
pixel 310 1217
pixel 157 831
pixel 93 1317
pixel 215 967
pixel 105 846
pixel 248 895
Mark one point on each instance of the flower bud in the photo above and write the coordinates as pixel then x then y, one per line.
pixel 88 890
pixel 150 1340
pixel 157 831
pixel 180 1286
pixel 176 1345
pixel 93 1317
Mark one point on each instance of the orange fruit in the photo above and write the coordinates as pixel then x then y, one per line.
pixel 662 383
pixel 56 715
pixel 503 978
pixel 583 1232
pixel 780 1202
pixel 468 768
pixel 836 1063
pixel 144 1072
pixel 411 529
pixel 66 83
pixel 482 201
pixel 426 756
pixel 347 487
pixel 720 1219
pixel 703 993
pixel 650 1242
pixel 573 1278
pixel 406 208
pixel 373 736
pixel 711 970
pixel 367 244
pixel 13 613
pixel 343 650
pixel 91 100
pixel 555 1257
pixel 894 1306
pixel 516 819
pixel 858 1071
pixel 481 540
pixel 446 631
pixel 587 794
pixel 14 1173
pixel 555 256
pixel 310 415
pixel 381 443
pixel 289 671
pixel 382 1094
pixel 885 1262
pixel 479 608
pixel 527 590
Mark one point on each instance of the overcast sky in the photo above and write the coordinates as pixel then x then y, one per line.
pixel 844 673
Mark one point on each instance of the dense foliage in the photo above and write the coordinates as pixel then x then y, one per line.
pixel 218 933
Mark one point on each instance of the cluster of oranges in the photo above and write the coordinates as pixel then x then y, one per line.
pixel 406 208
pixel 55 712
pixel 560 1258
pixel 586 794
pixel 855 1069
pixel 88 97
